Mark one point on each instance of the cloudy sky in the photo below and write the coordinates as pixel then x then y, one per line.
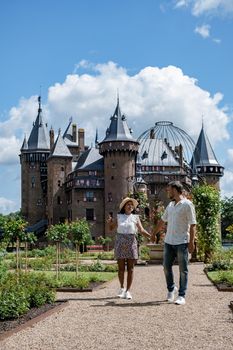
pixel 169 60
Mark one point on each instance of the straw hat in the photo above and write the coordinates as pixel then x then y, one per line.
pixel 128 199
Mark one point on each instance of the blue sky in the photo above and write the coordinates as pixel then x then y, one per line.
pixel 169 60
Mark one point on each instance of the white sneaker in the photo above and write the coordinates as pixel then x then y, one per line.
pixel 171 295
pixel 180 301
pixel 128 295
pixel 121 293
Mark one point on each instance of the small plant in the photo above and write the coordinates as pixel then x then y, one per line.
pixel 145 253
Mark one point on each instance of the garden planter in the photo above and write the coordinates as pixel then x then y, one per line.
pixel 155 253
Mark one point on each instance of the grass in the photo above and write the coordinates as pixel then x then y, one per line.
pixel 102 276
pixel 221 276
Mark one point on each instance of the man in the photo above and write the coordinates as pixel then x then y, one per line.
pixel 179 239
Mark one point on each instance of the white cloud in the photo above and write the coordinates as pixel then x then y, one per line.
pixel 182 3
pixel 226 184
pixel 9 147
pixel 217 41
pixel 203 30
pixel 207 7
pixel 212 7
pixel 13 129
pixel 151 95
pixel 229 159
pixel 7 206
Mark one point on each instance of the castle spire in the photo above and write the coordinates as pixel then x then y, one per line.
pixel 118 129
pixel 39 137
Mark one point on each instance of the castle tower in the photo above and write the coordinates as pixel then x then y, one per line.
pixel 59 165
pixel 119 150
pixel 33 157
pixel 205 162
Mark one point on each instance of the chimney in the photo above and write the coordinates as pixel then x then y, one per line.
pixel 179 151
pixel 51 135
pixel 81 139
pixel 74 132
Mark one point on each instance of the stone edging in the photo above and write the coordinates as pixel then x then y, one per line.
pixel 73 289
pixel 221 287
pixel 34 320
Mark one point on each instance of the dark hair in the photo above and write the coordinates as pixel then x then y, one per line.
pixel 122 211
pixel 177 185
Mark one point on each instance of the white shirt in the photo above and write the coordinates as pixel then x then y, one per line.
pixel 127 224
pixel 179 217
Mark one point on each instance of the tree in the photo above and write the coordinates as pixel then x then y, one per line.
pixel 80 234
pixel 58 233
pixel 14 232
pixel 207 203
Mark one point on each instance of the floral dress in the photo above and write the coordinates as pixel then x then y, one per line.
pixel 126 242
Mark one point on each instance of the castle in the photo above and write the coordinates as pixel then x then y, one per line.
pixel 63 179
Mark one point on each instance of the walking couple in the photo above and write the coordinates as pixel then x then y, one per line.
pixel 178 243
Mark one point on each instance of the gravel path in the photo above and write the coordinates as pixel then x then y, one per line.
pixel 99 320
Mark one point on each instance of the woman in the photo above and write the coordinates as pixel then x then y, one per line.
pixel 126 252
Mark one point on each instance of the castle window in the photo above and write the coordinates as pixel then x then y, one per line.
pixel 112 177
pixel 91 172
pixel 89 196
pixel 113 165
pixel 110 197
pixel 62 168
pixel 59 201
pixel 33 181
pixel 90 214
pixel 69 215
pixel 59 183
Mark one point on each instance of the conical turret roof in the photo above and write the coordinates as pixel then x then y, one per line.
pixel 118 129
pixel 203 153
pixel 39 137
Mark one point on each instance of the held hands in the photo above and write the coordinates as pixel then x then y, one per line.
pixel 109 219
pixel 152 238
pixel 111 223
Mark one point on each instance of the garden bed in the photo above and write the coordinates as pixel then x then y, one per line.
pixel 222 286
pixel 34 315
pixel 92 285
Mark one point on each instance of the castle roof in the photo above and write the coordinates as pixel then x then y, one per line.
pixel 118 129
pixel 203 153
pixel 24 145
pixel 68 135
pixel 39 137
pixel 90 160
pixel 156 152
pixel 60 148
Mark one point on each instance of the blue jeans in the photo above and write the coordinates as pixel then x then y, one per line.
pixel 180 252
